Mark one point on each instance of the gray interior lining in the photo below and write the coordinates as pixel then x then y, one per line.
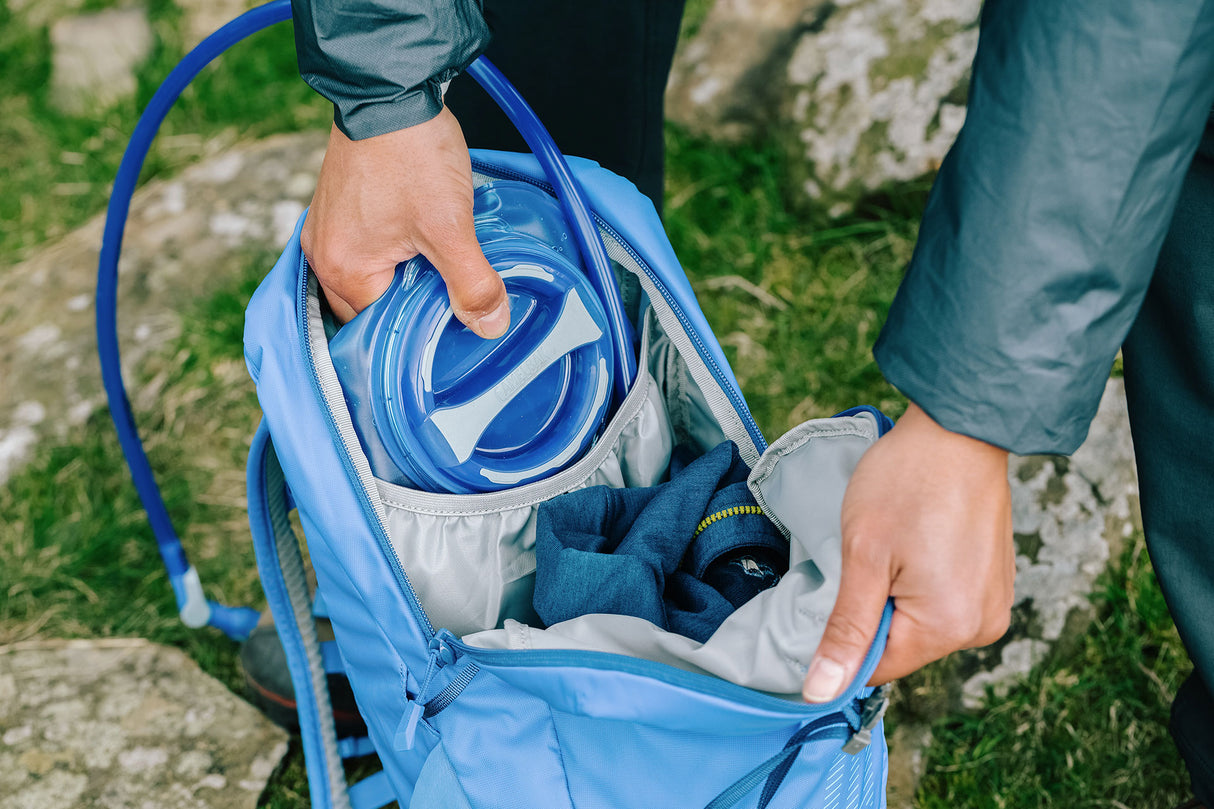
pixel 768 642
pixel 716 403
pixel 472 566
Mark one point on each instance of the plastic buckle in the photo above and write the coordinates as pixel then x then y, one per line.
pixel 870 716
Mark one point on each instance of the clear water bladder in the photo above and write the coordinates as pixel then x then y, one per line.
pixel 440 409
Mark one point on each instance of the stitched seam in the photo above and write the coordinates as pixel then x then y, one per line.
pixel 779 451
pixel 560 752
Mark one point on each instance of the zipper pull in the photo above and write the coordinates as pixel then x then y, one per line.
pixel 406 732
pixel 872 710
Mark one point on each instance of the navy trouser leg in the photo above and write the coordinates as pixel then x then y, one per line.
pixel 594 71
pixel 1169 362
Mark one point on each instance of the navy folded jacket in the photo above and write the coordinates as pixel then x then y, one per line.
pixel 683 554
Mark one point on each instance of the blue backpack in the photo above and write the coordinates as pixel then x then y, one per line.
pixel 600 711
pixel 469 707
pixel 468 715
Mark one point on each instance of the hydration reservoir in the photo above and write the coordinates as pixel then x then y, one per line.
pixel 440 409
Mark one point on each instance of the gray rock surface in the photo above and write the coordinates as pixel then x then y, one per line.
pixel 204 17
pixel 728 79
pixel 126 723
pixel 858 93
pixel 1071 516
pixel 185 236
pixel 43 12
pixel 95 56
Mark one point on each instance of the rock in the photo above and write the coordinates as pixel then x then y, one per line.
pixel 858 94
pixel 1071 516
pixel 185 237
pixel 727 78
pixel 95 56
pixel 907 744
pixel 103 723
pixel 204 17
pixel 38 13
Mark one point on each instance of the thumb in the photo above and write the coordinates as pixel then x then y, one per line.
pixel 863 591
pixel 478 295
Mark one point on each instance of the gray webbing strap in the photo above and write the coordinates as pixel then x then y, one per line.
pixel 280 564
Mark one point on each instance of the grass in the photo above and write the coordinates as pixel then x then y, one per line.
pixel 797 301
pixel 77 557
pixel 1087 730
pixel 58 166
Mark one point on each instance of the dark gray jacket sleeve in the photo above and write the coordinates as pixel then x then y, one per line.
pixel 382 62
pixel 1043 226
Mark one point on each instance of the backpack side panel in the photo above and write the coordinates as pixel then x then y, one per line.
pixel 382 642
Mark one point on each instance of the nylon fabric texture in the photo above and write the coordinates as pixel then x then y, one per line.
pixel 1044 223
pixel 383 62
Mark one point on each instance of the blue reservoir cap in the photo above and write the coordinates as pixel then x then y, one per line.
pixel 460 414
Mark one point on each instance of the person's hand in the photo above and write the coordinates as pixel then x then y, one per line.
pixel 383 200
pixel 927 518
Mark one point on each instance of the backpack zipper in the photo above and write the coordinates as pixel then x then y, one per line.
pixel 369 512
pixel 693 681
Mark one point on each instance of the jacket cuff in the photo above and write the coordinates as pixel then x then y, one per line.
pixel 382 62
pixel 1029 412
pixel 366 120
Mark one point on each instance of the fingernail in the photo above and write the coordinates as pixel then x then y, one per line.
pixel 494 324
pixel 824 681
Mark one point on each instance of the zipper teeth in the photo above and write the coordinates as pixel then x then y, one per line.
pixel 714 368
pixel 733 511
pixel 386 546
pixel 615 662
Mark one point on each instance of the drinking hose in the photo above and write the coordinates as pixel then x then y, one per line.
pixel 193 607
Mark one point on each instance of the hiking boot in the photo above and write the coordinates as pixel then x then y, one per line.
pixel 270 688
